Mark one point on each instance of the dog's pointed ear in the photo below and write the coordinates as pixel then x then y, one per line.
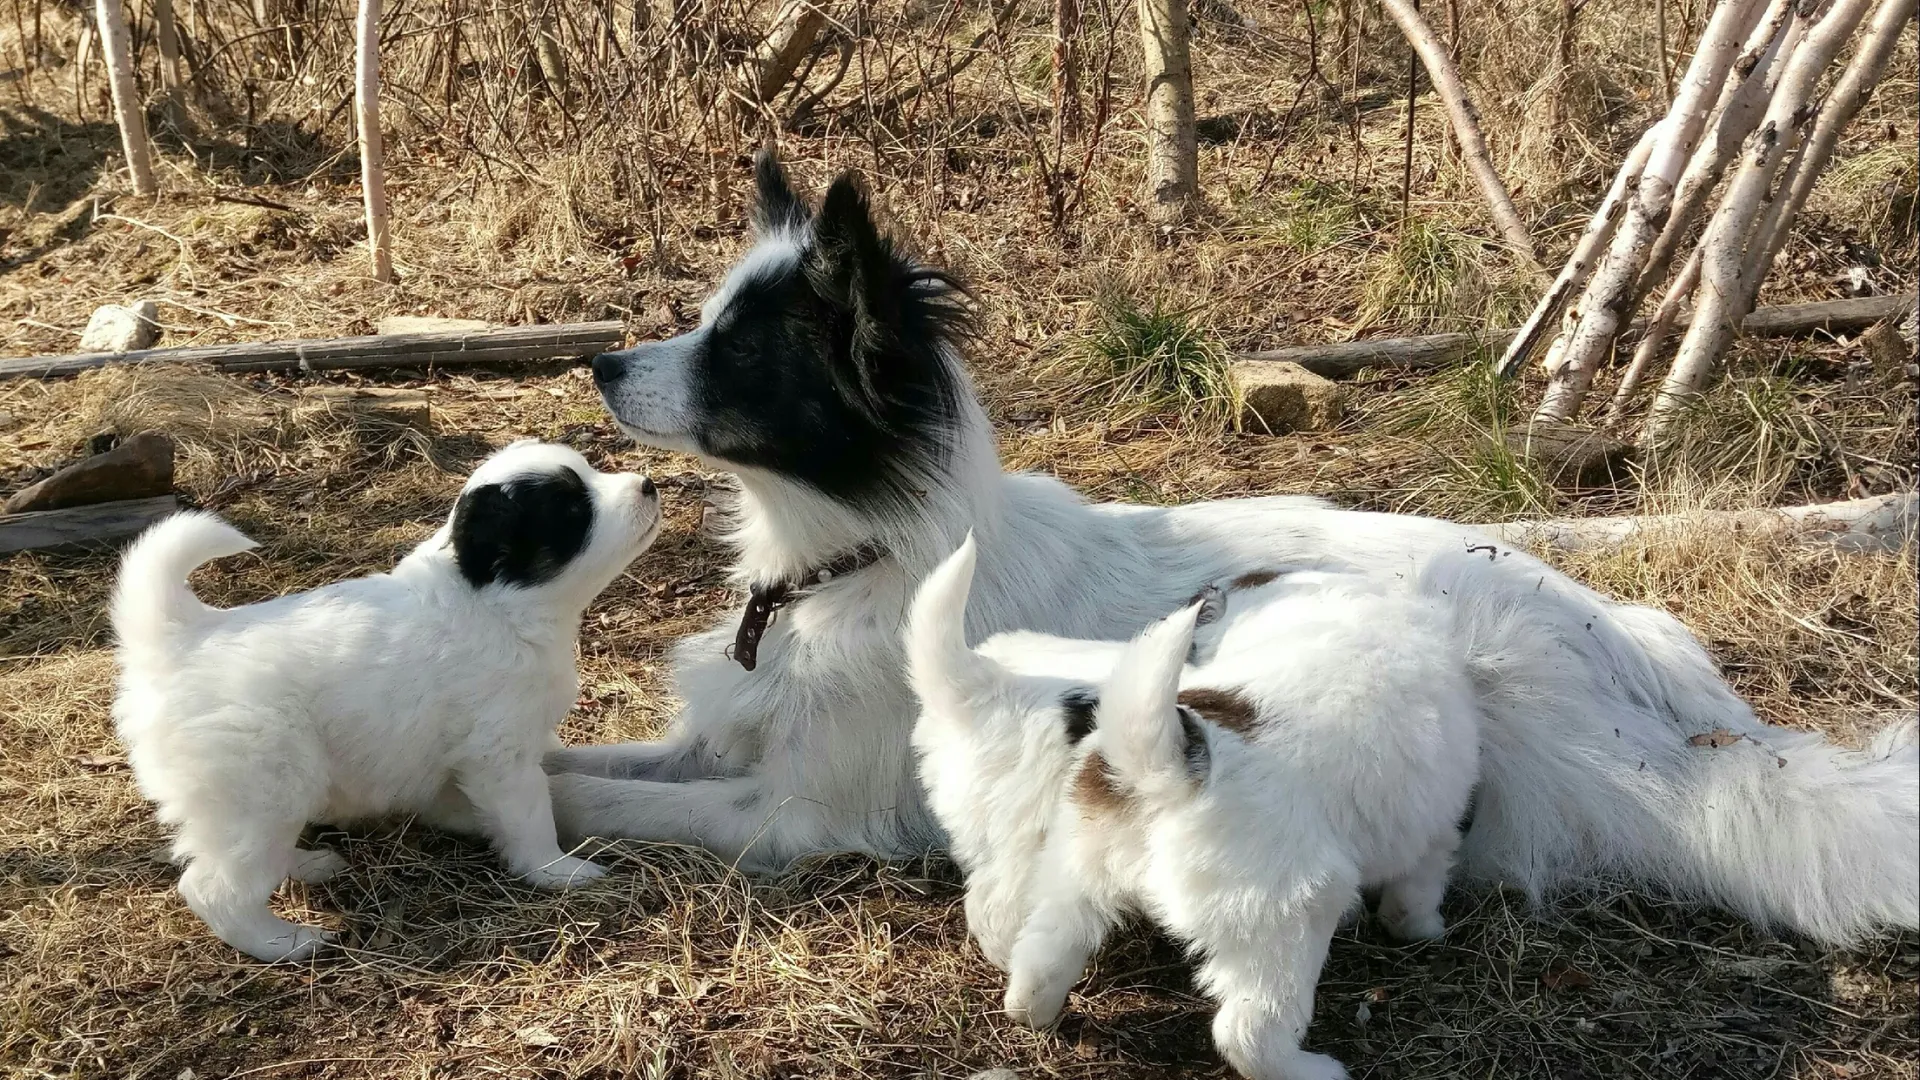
pixel 776 208
pixel 853 268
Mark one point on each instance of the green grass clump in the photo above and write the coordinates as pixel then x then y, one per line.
pixel 1153 358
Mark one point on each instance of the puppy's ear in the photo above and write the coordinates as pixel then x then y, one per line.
pixel 522 532
pixel 854 268
pixel 776 208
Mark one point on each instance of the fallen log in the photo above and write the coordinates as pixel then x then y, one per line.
pixel 1347 358
pixel 462 347
pixel 80 528
pixel 1880 523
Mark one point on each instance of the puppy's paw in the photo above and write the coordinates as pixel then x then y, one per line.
pixel 1415 925
pixel 1035 1002
pixel 1301 1065
pixel 564 872
pixel 296 945
pixel 317 865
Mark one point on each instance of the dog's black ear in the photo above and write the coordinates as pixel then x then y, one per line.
pixel 522 532
pixel 854 268
pixel 776 208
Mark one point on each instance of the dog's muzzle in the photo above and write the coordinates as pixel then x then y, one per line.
pixel 607 369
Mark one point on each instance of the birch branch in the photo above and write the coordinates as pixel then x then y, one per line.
pixel 1607 304
pixel 1465 120
pixel 127 109
pixel 1659 332
pixel 1592 242
pixel 1722 296
pixel 1880 523
pixel 373 173
pixel 1849 94
pixel 795 29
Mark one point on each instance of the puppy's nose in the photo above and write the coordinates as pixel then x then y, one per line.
pixel 607 367
pixel 647 490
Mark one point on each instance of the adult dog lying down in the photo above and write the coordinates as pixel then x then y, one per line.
pixel 826 372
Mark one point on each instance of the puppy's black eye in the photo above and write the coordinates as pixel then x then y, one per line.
pixel 1078 705
pixel 522 532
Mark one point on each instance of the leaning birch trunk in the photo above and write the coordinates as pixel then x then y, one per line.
pixel 795 29
pixel 1173 148
pixel 1742 104
pixel 373 173
pixel 127 109
pixel 1466 128
pixel 1653 341
pixel 1606 306
pixel 1592 242
pixel 1843 103
pixel 1721 300
pixel 167 35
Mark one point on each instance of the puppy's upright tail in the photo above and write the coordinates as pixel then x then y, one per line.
pixel 1152 749
pixel 151 603
pixel 948 676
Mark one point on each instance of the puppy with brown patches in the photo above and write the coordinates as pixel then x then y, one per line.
pixel 1329 744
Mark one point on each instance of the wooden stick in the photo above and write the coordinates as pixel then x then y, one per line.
pixel 466 347
pixel 127 108
pixel 1880 523
pixel 81 527
pixel 1722 299
pixel 373 172
pixel 1466 128
pixel 1592 242
pixel 1347 358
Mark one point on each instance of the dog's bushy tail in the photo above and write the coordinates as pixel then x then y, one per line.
pixel 1612 749
pixel 152 605
pixel 1149 747
pixel 947 674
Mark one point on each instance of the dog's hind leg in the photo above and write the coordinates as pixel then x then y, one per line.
pixel 315 865
pixel 1410 905
pixel 740 819
pixel 233 866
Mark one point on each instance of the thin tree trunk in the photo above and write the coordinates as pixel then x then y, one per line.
pixel 1722 297
pixel 373 173
pixel 1173 149
pixel 1743 101
pixel 127 108
pixel 167 35
pixel 1849 93
pixel 795 29
pixel 1466 127
pixel 1066 71
pixel 1592 242
pixel 1606 306
pixel 1654 341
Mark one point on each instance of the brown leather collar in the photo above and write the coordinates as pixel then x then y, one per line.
pixel 764 600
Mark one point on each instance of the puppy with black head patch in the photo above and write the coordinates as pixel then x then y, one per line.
pixel 433 688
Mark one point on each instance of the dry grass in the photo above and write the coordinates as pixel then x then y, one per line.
pixel 626 203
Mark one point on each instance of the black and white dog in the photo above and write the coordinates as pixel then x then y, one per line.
pixel 826 372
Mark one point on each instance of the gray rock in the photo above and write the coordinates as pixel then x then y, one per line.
pixel 122 329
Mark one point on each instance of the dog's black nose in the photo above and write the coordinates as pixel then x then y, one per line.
pixel 646 487
pixel 607 368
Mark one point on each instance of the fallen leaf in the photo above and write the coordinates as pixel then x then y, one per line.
pixel 1377 995
pixel 103 762
pixel 1717 738
pixel 1565 977
pixel 537 1036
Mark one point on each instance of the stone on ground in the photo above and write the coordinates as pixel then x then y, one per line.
pixel 138 468
pixel 1280 396
pixel 114 328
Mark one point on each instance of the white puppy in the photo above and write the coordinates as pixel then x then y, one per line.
pixel 1330 743
pixel 432 689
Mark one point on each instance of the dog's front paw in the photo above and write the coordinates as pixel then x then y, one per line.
pixel 564 872
pixel 1415 925
pixel 1034 1000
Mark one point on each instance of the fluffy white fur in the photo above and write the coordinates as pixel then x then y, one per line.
pixel 405 692
pixel 1586 705
pixel 1246 845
